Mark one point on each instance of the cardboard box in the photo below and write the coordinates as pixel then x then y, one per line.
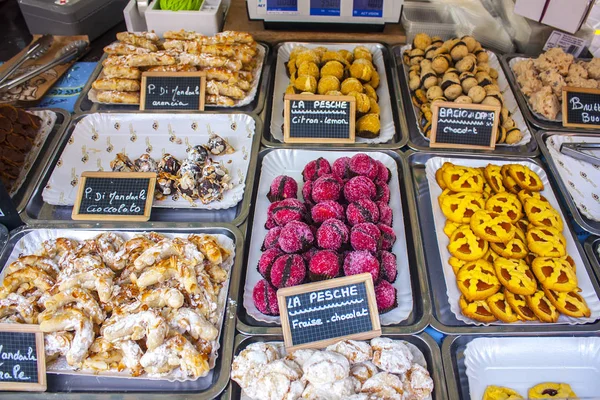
pixel 567 15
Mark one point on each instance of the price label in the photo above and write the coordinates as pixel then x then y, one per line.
pixel 319 314
pixel 464 126
pixel 115 196
pixel 367 8
pixel 325 7
pixel 22 358
pixel 173 91
pixel 581 108
pixel 319 119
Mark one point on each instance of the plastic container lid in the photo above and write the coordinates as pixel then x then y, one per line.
pixel 71 11
pixel 431 18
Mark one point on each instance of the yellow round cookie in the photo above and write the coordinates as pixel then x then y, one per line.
pixel 491 226
pixel 477 310
pixel 450 227
pixel 541 213
pixel 500 393
pixel 477 280
pixel 551 390
pixel 509 183
pixel 505 203
pixel 515 248
pixel 501 309
pixel 569 303
pixel 525 177
pixel 494 178
pixel 554 274
pixel 522 224
pixel 546 242
pixel 439 177
pixel 490 256
pixel 460 207
pixel 515 275
pixel 519 305
pixel 465 245
pixel 445 192
pixel 542 307
pixel 526 194
pixel 463 179
pixel 456 264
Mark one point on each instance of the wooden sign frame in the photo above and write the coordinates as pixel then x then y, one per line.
pixel 40 385
pixel 151 176
pixel 200 74
pixel 310 97
pixel 435 108
pixel 323 285
pixel 565 115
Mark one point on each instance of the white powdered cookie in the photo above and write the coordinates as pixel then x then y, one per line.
pixel 391 355
pixel 300 356
pixel 279 379
pixel 338 390
pixel 353 350
pixel 384 386
pixel 247 364
pixel 417 383
pixel 326 367
pixel 363 371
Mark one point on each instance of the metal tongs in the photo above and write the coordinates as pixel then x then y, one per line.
pixel 36 50
pixel 575 150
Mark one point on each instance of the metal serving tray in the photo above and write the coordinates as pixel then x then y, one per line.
pixel 442 317
pixel 422 341
pixel 591 251
pixel 117 388
pixel 420 315
pixel 84 104
pixel 416 140
pixel 400 138
pixel 586 223
pixel 453 355
pixel 23 195
pixel 37 211
pixel 3 237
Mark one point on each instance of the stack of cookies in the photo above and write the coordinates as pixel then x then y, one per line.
pixel 508 251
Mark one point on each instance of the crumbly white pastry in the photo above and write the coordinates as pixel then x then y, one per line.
pixel 417 383
pixel 300 356
pixel 363 371
pixel 385 386
pixel 279 379
pixel 246 365
pixel 353 350
pixel 326 367
pixel 391 355
pixel 338 390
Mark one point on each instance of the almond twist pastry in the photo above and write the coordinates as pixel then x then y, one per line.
pixel 176 351
pixel 149 324
pixel 72 319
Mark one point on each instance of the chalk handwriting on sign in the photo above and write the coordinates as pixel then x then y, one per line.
pixel 115 196
pixel 581 107
pixel 22 362
pixel 319 119
pixel 318 314
pixel 464 125
pixel 173 91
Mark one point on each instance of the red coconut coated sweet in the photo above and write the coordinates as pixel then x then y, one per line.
pixel 359 187
pixel 382 192
pixel 385 295
pixel 307 193
pixel 296 237
pixel 341 168
pixel 383 173
pixel 325 188
pixel 325 264
pixel 362 164
pixel 365 236
pixel 388 237
pixel 361 262
pixel 308 255
pixel 271 239
pixel 315 169
pixel 332 234
pixel 266 261
pixel 288 270
pixel 386 215
pixel 363 210
pixel 326 210
pixel 283 187
pixel 270 224
pixel 265 298
pixel 287 210
pixel 389 267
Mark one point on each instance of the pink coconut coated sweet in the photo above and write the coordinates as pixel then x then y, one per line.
pixel 386 215
pixel 326 210
pixel 362 164
pixel 386 297
pixel 307 193
pixel 308 254
pixel 265 298
pixel 389 267
pixel 287 210
pixel 363 210
pixel 382 192
pixel 325 188
pixel 341 168
pixel 271 239
pixel 383 173
pixel 332 234
pixel 388 236
pixel 315 169
pixel 288 270
pixel 283 187
pixel 325 264
pixel 361 262
pixel 296 237
pixel 359 187
pixel 365 236
pixel 266 261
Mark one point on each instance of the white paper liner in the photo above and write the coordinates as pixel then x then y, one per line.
pixel 31 242
pixel 580 178
pixel 250 95
pixel 48 121
pixel 97 139
pixel 282 81
pixel 418 358
pixel 291 163
pixel 509 100
pixel 587 290
pixel 521 363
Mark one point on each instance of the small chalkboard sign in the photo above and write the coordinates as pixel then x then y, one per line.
pixel 22 358
pixel 581 108
pixel 173 91
pixel 319 119
pixel 319 314
pixel 464 126
pixel 115 196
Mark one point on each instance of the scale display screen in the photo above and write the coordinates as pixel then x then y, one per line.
pixel 282 6
pixel 367 8
pixel 325 7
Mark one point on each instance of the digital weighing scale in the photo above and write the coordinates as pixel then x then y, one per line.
pixel 362 15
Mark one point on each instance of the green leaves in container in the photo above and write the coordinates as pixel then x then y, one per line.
pixel 181 5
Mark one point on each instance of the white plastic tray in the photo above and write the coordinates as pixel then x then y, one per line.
pixel 587 290
pixel 291 163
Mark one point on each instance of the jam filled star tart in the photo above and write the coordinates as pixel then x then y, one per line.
pixel 541 213
pixel 550 390
pixel 542 307
pixel 519 305
pixel 525 177
pixel 546 242
pixel 465 245
pixel 477 280
pixel 463 179
pixel 501 309
pixel 491 226
pixel 505 203
pixel 569 303
pixel 500 393
pixel 478 310
pixel 460 207
pixel 554 274
pixel 515 275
